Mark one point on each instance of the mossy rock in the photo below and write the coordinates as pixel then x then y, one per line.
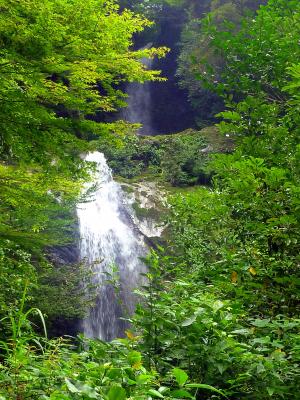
pixel 218 143
pixel 179 158
pixel 127 188
pixel 141 213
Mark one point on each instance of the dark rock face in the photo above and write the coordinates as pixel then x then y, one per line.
pixel 62 255
pixel 171 111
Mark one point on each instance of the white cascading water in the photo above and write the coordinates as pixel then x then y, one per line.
pixel 108 240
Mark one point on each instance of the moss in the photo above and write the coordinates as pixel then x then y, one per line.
pixel 146 213
pixel 217 141
pixel 148 177
pixel 170 136
pixel 181 190
pixel 127 188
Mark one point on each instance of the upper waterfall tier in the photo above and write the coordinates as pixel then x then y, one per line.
pixel 139 102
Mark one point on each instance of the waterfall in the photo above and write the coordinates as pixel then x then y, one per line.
pixel 109 242
pixel 139 103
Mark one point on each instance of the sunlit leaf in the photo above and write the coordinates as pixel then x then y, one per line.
pixel 180 376
pixel 72 388
pixel 116 393
pixel 137 365
pixel 203 386
pixel 181 393
pixel 130 335
pixel 155 393
pixel 252 271
pixel 134 357
pixel 261 323
pixel 189 321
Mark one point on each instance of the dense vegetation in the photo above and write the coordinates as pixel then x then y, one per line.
pixel 220 315
pixel 197 53
pixel 225 296
pixel 176 159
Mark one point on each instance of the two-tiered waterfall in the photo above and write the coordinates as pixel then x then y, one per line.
pixel 111 244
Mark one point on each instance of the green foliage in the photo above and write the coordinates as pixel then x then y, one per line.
pixel 182 162
pixel 56 55
pixel 131 157
pixel 56 285
pixel 188 322
pixel 36 207
pixel 257 55
pixel 176 159
pixel 223 300
pixel 198 55
pixel 250 228
pixel 35 367
pixel 16 271
pixel 48 287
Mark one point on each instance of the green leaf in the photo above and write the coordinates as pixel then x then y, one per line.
pixel 134 357
pixel 260 368
pixel 155 393
pixel 116 393
pixel 221 368
pixel 189 321
pixel 217 305
pixel 182 393
pixel 143 378
pixel 203 386
pixel 71 387
pixel 180 376
pixel 114 373
pixel 89 391
pixel 243 331
pixel 261 323
pixel 231 115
